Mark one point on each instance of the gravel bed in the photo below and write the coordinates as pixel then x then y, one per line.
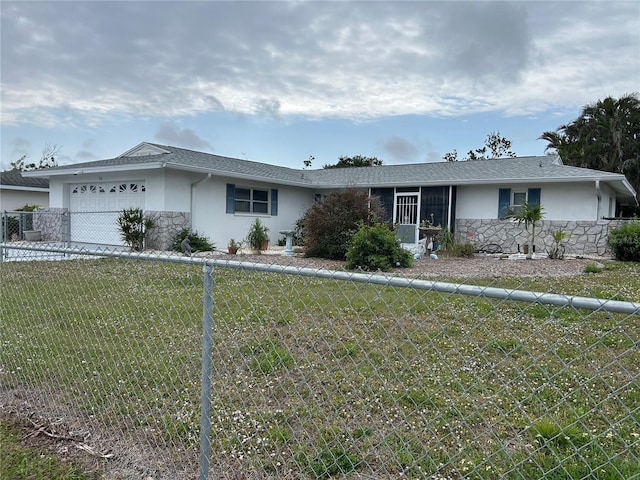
pixel 480 265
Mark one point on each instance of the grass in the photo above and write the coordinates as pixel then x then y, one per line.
pixel 314 378
pixel 20 462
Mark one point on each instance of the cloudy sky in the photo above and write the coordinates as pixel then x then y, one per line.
pixel 281 81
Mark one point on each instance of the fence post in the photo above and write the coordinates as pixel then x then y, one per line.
pixel 205 397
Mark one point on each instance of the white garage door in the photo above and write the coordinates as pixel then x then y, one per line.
pixel 94 209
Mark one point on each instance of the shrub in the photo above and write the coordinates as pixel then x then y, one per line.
pixel 198 242
pixel 451 248
pixel 557 250
pixel 374 247
pixel 625 241
pixel 134 226
pixel 330 223
pixel 257 236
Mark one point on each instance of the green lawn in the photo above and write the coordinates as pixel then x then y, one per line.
pixel 314 378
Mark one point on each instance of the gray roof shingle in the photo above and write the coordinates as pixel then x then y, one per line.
pixel 506 170
pixel 14 178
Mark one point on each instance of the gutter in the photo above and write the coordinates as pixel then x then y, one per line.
pixel 77 169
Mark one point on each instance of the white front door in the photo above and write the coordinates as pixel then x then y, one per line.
pixel 94 209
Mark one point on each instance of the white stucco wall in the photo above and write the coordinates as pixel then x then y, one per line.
pixel 561 201
pixel 12 199
pixel 210 217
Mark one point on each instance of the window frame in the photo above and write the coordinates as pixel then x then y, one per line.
pixel 258 200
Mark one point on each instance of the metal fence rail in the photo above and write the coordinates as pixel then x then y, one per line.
pixel 167 366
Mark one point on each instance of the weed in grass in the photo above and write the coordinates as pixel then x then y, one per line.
pixel 592 268
pixel 279 435
pixel 271 358
pixel 506 345
pixel 362 432
pixel 329 462
pixel 550 433
pixel 347 349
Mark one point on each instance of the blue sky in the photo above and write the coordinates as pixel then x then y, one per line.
pixel 277 82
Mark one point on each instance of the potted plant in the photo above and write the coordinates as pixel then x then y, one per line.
pixel 429 228
pixel 257 237
pixel 233 246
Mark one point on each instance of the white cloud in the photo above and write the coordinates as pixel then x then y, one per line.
pixel 356 60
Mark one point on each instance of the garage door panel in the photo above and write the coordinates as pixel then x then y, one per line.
pixel 95 207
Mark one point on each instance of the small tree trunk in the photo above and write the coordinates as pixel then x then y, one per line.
pixel 531 242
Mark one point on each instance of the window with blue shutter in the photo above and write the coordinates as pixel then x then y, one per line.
pixel 533 196
pixel 274 202
pixel 251 200
pixel 231 198
pixel 504 201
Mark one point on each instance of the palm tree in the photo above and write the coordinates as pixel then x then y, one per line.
pixel 606 136
pixel 530 215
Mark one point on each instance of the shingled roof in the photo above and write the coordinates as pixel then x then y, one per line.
pixel 495 171
pixel 13 179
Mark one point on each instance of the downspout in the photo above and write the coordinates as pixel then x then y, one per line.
pixel 193 186
pixel 599 196
pixel 449 208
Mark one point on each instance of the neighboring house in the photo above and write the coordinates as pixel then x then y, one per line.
pixel 16 191
pixel 220 196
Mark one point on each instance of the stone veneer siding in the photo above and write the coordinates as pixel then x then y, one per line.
pixel 53 223
pixel 167 226
pixel 585 237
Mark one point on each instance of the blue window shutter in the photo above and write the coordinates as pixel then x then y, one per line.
pixel 533 196
pixel 274 202
pixel 504 200
pixel 231 197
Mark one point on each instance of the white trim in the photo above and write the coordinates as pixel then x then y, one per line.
pixel 142 150
pixel 24 189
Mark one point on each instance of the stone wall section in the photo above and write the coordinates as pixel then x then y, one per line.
pixel 585 238
pixel 167 226
pixel 53 223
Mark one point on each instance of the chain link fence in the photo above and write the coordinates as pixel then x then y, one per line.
pixel 164 366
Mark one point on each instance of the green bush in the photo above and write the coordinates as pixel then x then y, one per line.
pixel 330 223
pixel 198 242
pixel 450 248
pixel 374 247
pixel 134 225
pixel 625 241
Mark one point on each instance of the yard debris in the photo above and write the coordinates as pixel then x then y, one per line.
pixel 92 451
pixel 52 431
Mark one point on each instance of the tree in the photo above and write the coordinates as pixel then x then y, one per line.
pixel 357 161
pixel 495 144
pixel 530 215
pixel 47 159
pixel 307 163
pixel 606 136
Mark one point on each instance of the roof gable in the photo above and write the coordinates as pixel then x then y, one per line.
pixel 144 149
